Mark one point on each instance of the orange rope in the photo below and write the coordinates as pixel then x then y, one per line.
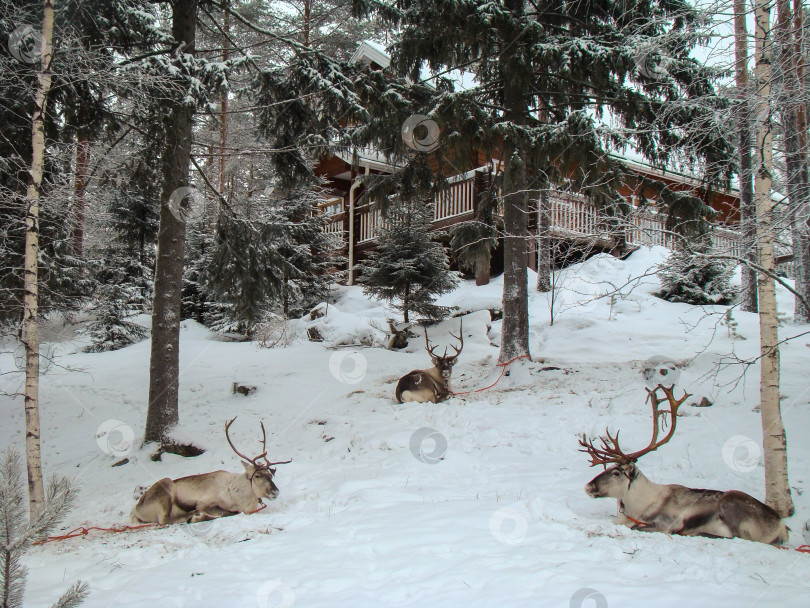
pixel 84 531
pixel 640 523
pixel 503 367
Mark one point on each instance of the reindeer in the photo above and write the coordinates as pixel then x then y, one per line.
pixel 675 509
pixel 430 384
pixel 210 495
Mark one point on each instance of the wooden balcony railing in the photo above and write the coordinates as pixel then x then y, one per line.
pixel 572 216
pixel 458 200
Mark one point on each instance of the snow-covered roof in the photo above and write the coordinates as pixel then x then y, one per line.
pixel 369 53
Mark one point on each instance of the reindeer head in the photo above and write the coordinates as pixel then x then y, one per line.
pixel 616 480
pixel 444 363
pixel 260 474
pixel 613 483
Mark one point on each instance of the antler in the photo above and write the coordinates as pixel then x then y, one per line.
pixel 459 337
pixel 267 464
pixel 610 452
pixel 240 454
pixel 428 347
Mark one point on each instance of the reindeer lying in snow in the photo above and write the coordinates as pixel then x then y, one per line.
pixel 676 509
pixel 432 384
pixel 209 495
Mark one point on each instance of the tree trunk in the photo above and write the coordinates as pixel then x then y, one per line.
pixel 406 304
pixel 515 329
pixel 801 213
pixel 79 187
pixel 307 22
pixel 543 244
pixel 790 106
pixel 30 321
pixel 482 270
pixel 164 367
pixel 748 295
pixel 515 332
pixel 777 490
pixel 223 103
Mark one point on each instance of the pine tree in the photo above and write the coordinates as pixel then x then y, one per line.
pixel 17 532
pixel 190 81
pixel 409 268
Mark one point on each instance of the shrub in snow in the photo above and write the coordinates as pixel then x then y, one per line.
pixel 17 534
pixel 274 332
pixel 695 277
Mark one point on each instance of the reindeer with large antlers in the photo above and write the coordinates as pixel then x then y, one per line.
pixel 431 384
pixel 210 495
pixel 675 509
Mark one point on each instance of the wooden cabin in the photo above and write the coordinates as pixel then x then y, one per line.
pixel 578 229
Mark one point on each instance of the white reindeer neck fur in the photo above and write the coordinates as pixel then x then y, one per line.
pixel 641 495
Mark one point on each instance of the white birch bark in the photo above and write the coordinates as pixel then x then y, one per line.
pixel 777 489
pixel 30 322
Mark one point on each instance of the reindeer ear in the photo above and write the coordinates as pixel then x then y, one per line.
pixel 249 468
pixel 631 470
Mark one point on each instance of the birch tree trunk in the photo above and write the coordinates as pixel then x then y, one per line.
pixel 164 367
pixel 30 322
pixel 777 490
pixel 748 294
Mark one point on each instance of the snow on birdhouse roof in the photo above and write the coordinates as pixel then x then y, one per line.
pixel 371 54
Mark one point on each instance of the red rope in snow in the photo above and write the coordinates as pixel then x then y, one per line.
pixel 800 549
pixel 503 367
pixel 84 531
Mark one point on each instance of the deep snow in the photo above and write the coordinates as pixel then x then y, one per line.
pixel 477 501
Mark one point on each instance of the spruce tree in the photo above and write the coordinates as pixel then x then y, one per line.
pixel 409 268
pixel 693 276
pixel 274 262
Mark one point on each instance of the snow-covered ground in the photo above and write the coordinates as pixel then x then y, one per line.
pixel 477 501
